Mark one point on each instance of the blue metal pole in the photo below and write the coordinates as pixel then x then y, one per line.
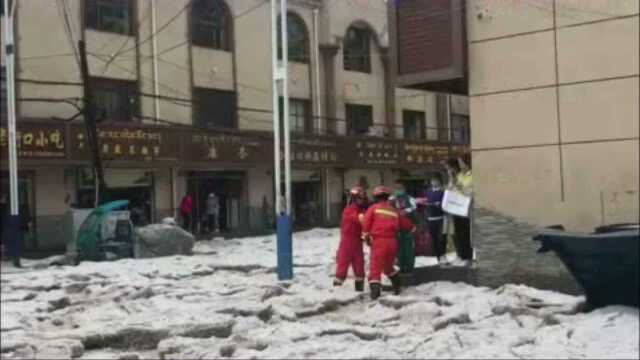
pixel 285 247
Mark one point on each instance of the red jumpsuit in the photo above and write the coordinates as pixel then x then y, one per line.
pixel 382 222
pixel 350 248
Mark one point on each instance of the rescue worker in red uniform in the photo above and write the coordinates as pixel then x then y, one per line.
pixel 350 251
pixel 380 227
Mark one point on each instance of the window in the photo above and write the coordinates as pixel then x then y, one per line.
pixel 211 24
pixel 214 108
pixel 300 120
pixel 414 125
pixel 356 50
pixel 3 92
pixel 110 15
pixel 460 131
pixel 298 44
pixel 114 100
pixel 359 119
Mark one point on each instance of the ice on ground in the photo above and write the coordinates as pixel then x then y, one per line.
pixel 225 301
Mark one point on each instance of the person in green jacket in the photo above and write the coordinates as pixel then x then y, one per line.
pixel 407 206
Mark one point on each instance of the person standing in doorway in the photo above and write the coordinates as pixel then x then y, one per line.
pixel 464 185
pixel 186 210
pixel 406 204
pixel 435 218
pixel 213 212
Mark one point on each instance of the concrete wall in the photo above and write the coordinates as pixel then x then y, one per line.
pixel 554 104
pixel 182 66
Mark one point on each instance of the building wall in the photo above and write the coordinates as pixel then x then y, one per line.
pixel 181 66
pixel 554 102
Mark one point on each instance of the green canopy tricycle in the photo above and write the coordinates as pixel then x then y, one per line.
pixel 94 243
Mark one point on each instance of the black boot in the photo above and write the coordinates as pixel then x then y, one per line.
pixel 359 285
pixel 375 290
pixel 337 282
pixel 396 283
pixel 16 262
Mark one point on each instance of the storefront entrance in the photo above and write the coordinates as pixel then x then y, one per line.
pixel 416 181
pixel 26 196
pixel 306 204
pixel 228 186
pixel 135 185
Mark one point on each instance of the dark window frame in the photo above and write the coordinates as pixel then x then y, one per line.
pixel 354 113
pixel 203 110
pixel 220 25
pixel 356 55
pixel 411 116
pixel 94 21
pixel 126 90
pixel 3 91
pixel 460 129
pixel 307 116
pixel 300 53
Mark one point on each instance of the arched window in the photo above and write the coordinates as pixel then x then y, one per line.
pixel 211 24
pixel 356 49
pixel 298 43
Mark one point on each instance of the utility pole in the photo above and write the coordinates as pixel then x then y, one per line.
pixel 13 222
pixel 90 124
pixel 279 71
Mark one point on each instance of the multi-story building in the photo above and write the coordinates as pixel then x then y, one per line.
pixel 553 92
pixel 183 97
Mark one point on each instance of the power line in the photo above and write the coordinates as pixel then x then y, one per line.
pixel 126 41
pixel 36 57
pixel 251 9
pixel 48 82
pixel 160 29
pixel 67 28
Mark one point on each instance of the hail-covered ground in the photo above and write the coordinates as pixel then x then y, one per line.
pixel 225 301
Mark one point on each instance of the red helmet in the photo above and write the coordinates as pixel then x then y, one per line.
pixel 357 192
pixel 381 190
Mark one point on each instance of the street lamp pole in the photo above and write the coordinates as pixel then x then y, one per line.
pixel 280 79
pixel 13 228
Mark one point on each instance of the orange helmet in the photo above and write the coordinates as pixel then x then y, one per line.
pixel 381 190
pixel 357 192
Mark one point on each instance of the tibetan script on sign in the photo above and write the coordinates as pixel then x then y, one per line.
pixel 129 143
pixel 226 147
pixel 314 151
pixel 36 140
pixel 378 152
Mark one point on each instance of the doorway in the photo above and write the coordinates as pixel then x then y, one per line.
pixel 306 205
pixel 26 208
pixel 228 187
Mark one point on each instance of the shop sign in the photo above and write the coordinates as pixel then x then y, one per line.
pixel 36 140
pixel 314 151
pixel 128 143
pixel 425 154
pixel 226 147
pixel 387 152
pixel 457 150
pixel 375 152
